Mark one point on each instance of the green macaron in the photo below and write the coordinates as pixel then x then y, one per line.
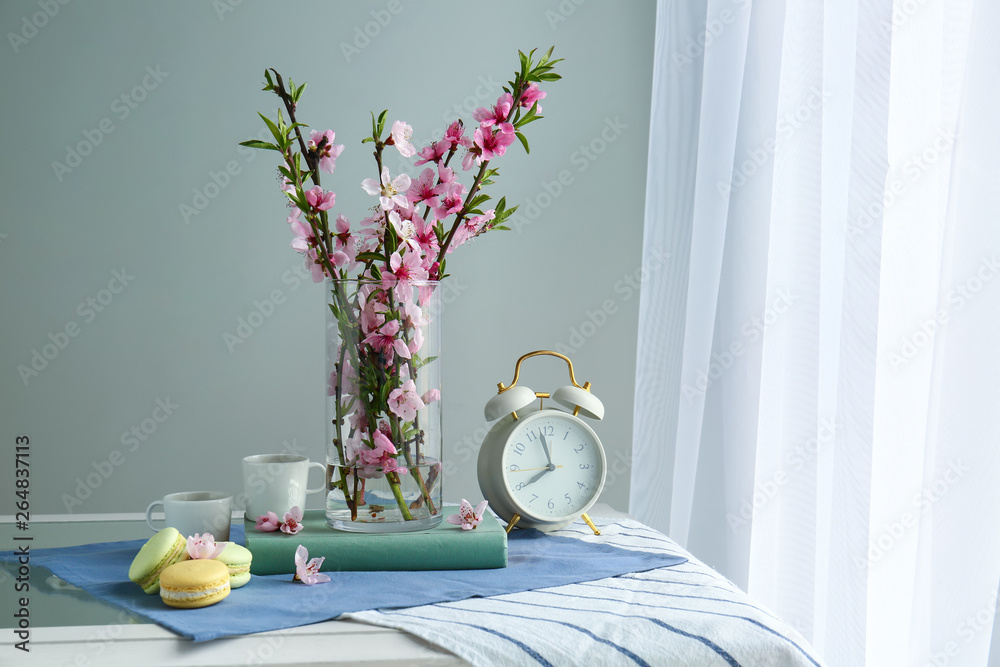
pixel 237 558
pixel 162 550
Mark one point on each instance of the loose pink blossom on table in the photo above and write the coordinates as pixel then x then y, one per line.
pixel 268 522
pixel 203 546
pixel 293 521
pixel 383 269
pixel 467 517
pixel 306 570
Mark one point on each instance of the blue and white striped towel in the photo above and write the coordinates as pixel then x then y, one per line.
pixel 682 615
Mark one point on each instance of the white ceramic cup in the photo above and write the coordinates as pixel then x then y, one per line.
pixel 193 512
pixel 277 483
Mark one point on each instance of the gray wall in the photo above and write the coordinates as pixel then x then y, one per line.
pixel 119 300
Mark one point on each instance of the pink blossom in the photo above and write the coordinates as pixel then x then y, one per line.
pixel 204 546
pixel 392 465
pixel 426 238
pixel 467 517
pixel 416 340
pixel 404 271
pixel 401 134
pixel 433 153
pixel 342 237
pixel 471 157
pixel 491 143
pixel 391 191
pixel 531 95
pixel 414 316
pixel 381 455
pixel 293 521
pixel 450 203
pixel 447 182
pixel 430 396
pixel 304 237
pixel 422 190
pixel 268 523
pixel 372 313
pixel 455 135
pixel 497 115
pixel 329 152
pixel 382 446
pixel 405 229
pixel 425 291
pixel 318 269
pixel 471 228
pixel 405 402
pixel 307 571
pixel 320 199
pixel 384 340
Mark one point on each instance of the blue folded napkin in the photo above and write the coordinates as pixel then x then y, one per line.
pixel 534 560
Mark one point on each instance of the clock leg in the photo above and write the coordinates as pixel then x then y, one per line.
pixel 513 521
pixel 590 523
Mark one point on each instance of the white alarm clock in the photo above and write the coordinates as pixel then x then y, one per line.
pixel 542 467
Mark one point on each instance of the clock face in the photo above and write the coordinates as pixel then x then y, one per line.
pixel 553 465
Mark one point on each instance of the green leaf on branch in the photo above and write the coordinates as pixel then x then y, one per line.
pixel 301 204
pixel 551 76
pixel 419 363
pixel 381 122
pixel 370 257
pixel 275 132
pixel 523 140
pixel 478 201
pixel 263 145
pixel 298 93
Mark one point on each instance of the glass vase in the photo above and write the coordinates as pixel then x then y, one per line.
pixel 384 471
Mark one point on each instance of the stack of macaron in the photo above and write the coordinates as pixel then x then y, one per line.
pixel 163 566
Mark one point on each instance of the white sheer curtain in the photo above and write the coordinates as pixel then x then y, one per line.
pixel 818 385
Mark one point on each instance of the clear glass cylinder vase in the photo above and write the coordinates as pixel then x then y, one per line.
pixel 384 470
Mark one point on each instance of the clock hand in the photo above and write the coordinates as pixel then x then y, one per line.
pixel 530 469
pixel 538 476
pixel 548 450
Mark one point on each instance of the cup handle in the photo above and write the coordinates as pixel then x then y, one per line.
pixel 322 468
pixel 149 516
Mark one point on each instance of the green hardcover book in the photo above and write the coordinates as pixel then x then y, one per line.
pixel 446 547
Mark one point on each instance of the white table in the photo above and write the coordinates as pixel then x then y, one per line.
pixel 69 627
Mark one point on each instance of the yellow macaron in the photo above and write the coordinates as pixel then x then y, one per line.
pixel 194 583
